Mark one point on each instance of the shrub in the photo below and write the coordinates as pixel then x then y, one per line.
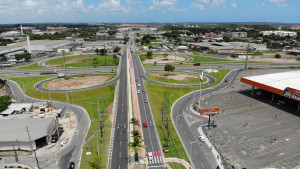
pixel 277 56
pixel 4 102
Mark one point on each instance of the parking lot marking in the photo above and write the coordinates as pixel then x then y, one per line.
pixel 288 163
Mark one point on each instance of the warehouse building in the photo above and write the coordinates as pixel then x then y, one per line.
pixel 16 108
pixel 26 134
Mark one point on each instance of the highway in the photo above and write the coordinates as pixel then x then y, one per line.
pixel 119 156
pixel 150 134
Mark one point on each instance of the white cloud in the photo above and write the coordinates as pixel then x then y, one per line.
pixel 164 3
pixel 282 5
pixel 198 6
pixel 234 5
pixel 260 5
pixel 203 1
pixel 177 9
pixel 217 3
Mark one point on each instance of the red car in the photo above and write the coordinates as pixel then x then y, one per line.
pixel 145 124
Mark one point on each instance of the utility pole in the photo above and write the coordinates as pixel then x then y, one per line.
pixel 98 109
pixel 168 128
pixel 105 53
pixel 37 161
pixel 97 143
pixel 104 98
pixel 101 129
pixel 63 52
pixel 162 117
pixel 16 156
pixel 67 96
pixel 246 64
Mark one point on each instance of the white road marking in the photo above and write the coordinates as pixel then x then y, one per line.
pixel 154 159
pixel 120 155
pixel 196 152
pixel 202 164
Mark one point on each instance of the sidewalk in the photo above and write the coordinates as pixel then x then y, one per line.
pixel 178 160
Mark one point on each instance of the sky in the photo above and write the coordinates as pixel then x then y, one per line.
pixel 145 11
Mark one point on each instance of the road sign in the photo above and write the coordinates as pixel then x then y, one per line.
pixel 210 111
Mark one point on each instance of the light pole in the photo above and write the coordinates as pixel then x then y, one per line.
pixel 170 102
pixel 63 52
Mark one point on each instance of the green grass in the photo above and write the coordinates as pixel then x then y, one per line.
pixel 81 98
pixel 297 59
pixel 156 99
pixel 33 66
pixel 206 59
pixel 174 165
pixel 165 80
pixel 87 62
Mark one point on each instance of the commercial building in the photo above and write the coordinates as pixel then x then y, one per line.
pixel 236 34
pixel 66 49
pixel 279 33
pixel 26 134
pixel 284 84
pixel 230 46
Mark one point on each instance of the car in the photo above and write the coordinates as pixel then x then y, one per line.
pixel 145 124
pixel 26 73
pixel 225 80
pixel 138 91
pixel 201 138
pixel 146 101
pixel 150 156
pixel 71 165
pixel 139 84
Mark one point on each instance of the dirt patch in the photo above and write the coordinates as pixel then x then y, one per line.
pixel 4 91
pixel 77 82
pixel 175 76
pixel 162 59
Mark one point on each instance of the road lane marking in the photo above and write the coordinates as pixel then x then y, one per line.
pixel 202 164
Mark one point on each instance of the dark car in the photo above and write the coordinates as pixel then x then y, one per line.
pixel 71 165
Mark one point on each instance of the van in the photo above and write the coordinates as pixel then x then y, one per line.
pixel 201 138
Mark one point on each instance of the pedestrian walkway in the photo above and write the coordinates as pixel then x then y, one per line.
pixel 178 160
pixel 156 159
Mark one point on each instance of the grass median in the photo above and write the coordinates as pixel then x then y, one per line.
pixel 84 61
pixel 156 94
pixel 88 99
pixel 206 59
pixel 32 66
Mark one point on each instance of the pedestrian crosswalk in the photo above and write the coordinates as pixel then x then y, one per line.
pixel 155 160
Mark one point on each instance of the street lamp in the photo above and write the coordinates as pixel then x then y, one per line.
pixel 170 103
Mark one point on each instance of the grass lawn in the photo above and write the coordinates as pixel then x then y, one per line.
pixel 85 61
pixel 156 99
pixel 33 66
pixel 206 59
pixel 165 80
pixel 85 98
pixel 176 165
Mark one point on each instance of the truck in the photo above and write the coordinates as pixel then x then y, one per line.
pixel 48 72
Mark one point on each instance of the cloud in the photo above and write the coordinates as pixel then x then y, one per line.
pixel 203 1
pixel 198 6
pixel 112 6
pixel 234 5
pixel 178 9
pixel 217 3
pixel 280 3
pixel 161 4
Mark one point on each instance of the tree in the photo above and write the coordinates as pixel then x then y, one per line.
pixel 136 144
pixel 116 49
pixel 134 121
pixel 26 56
pixel 226 39
pixel 96 162
pixel 97 51
pixel 154 63
pixel 165 56
pixel 169 68
pixel 277 56
pixel 103 51
pixel 18 56
pixel 95 61
pixel 149 55
pixel 4 102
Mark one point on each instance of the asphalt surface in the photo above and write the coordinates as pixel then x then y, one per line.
pixel 186 126
pixel 72 151
pixel 150 134
pixel 119 158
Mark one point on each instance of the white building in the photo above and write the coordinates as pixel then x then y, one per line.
pixel 10 33
pixel 279 33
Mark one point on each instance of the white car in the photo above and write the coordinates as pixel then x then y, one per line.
pixel 138 91
pixel 201 138
pixel 150 156
pixel 139 84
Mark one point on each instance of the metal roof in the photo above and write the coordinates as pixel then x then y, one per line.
pixel 275 82
pixel 15 129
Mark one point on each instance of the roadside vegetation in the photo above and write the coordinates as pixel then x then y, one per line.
pixel 157 94
pixel 32 66
pixel 85 61
pixel 206 59
pixel 4 102
pixel 88 99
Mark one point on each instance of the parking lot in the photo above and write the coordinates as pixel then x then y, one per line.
pixel 252 132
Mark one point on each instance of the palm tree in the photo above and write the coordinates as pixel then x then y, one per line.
pixel 136 144
pixel 134 121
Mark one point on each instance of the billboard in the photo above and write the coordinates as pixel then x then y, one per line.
pixel 210 111
pixel 291 93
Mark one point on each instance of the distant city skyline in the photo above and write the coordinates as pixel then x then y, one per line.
pixel 146 11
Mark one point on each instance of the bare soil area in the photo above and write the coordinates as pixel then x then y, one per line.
pixel 77 82
pixel 162 59
pixel 77 60
pixel 175 76
pixel 4 91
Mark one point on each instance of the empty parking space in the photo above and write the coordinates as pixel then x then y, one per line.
pixel 253 132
